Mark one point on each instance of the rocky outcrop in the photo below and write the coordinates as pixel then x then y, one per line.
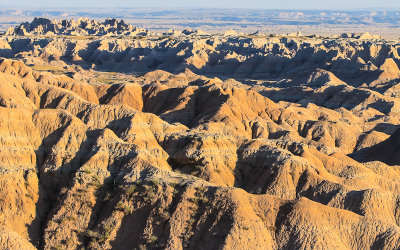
pixel 80 27
pixel 290 60
pixel 106 160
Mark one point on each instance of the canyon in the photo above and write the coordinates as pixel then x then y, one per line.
pixel 117 137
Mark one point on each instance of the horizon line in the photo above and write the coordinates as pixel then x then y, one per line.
pixel 390 9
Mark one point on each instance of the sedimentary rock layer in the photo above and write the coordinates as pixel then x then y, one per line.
pixel 303 155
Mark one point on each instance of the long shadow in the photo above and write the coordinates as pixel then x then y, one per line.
pixel 258 177
pixel 48 203
pixel 112 91
pixel 202 105
pixel 387 151
pixel 332 97
pixel 386 128
pixel 7 53
pixel 36 227
pixel 167 100
pixel 268 64
pixel 44 202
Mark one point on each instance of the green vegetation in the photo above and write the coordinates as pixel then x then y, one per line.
pixel 107 197
pixel 49 68
pixel 131 190
pixel 102 236
pixel 199 196
pixel 186 238
pixel 175 187
pixel 151 239
pixel 123 206
pixel 80 37
pixel 172 184
pixel 106 80
pixel 150 193
pixel 67 218
pixel 96 181
pixel 69 241
pixel 108 77
pixel 91 234
pixel 198 199
pixel 165 215
pixel 87 171
pixel 156 182
pixel 60 247
pixel 160 38
pixel 105 233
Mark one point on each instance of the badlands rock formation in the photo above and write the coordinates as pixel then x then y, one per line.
pixel 221 142
pixel 81 27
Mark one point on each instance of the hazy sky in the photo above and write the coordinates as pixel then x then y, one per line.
pixel 264 4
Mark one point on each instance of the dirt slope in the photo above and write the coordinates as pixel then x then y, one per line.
pixel 103 160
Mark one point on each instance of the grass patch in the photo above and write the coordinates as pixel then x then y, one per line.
pixel 106 80
pixel 108 77
pixel 80 37
pixel 57 70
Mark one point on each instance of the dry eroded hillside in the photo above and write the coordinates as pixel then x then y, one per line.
pixel 295 145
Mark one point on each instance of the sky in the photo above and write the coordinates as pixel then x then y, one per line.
pixel 253 4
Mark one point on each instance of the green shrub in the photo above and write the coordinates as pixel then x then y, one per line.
pixel 150 192
pixel 152 239
pixel 107 197
pixel 156 182
pixel 122 206
pixel 87 171
pixel 165 215
pixel 172 184
pixel 131 190
pixel 106 233
pixel 91 234
pixel 96 181
pixel 186 238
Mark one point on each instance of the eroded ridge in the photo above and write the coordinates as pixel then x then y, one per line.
pixel 290 159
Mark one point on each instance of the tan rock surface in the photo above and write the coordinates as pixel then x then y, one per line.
pixel 107 160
